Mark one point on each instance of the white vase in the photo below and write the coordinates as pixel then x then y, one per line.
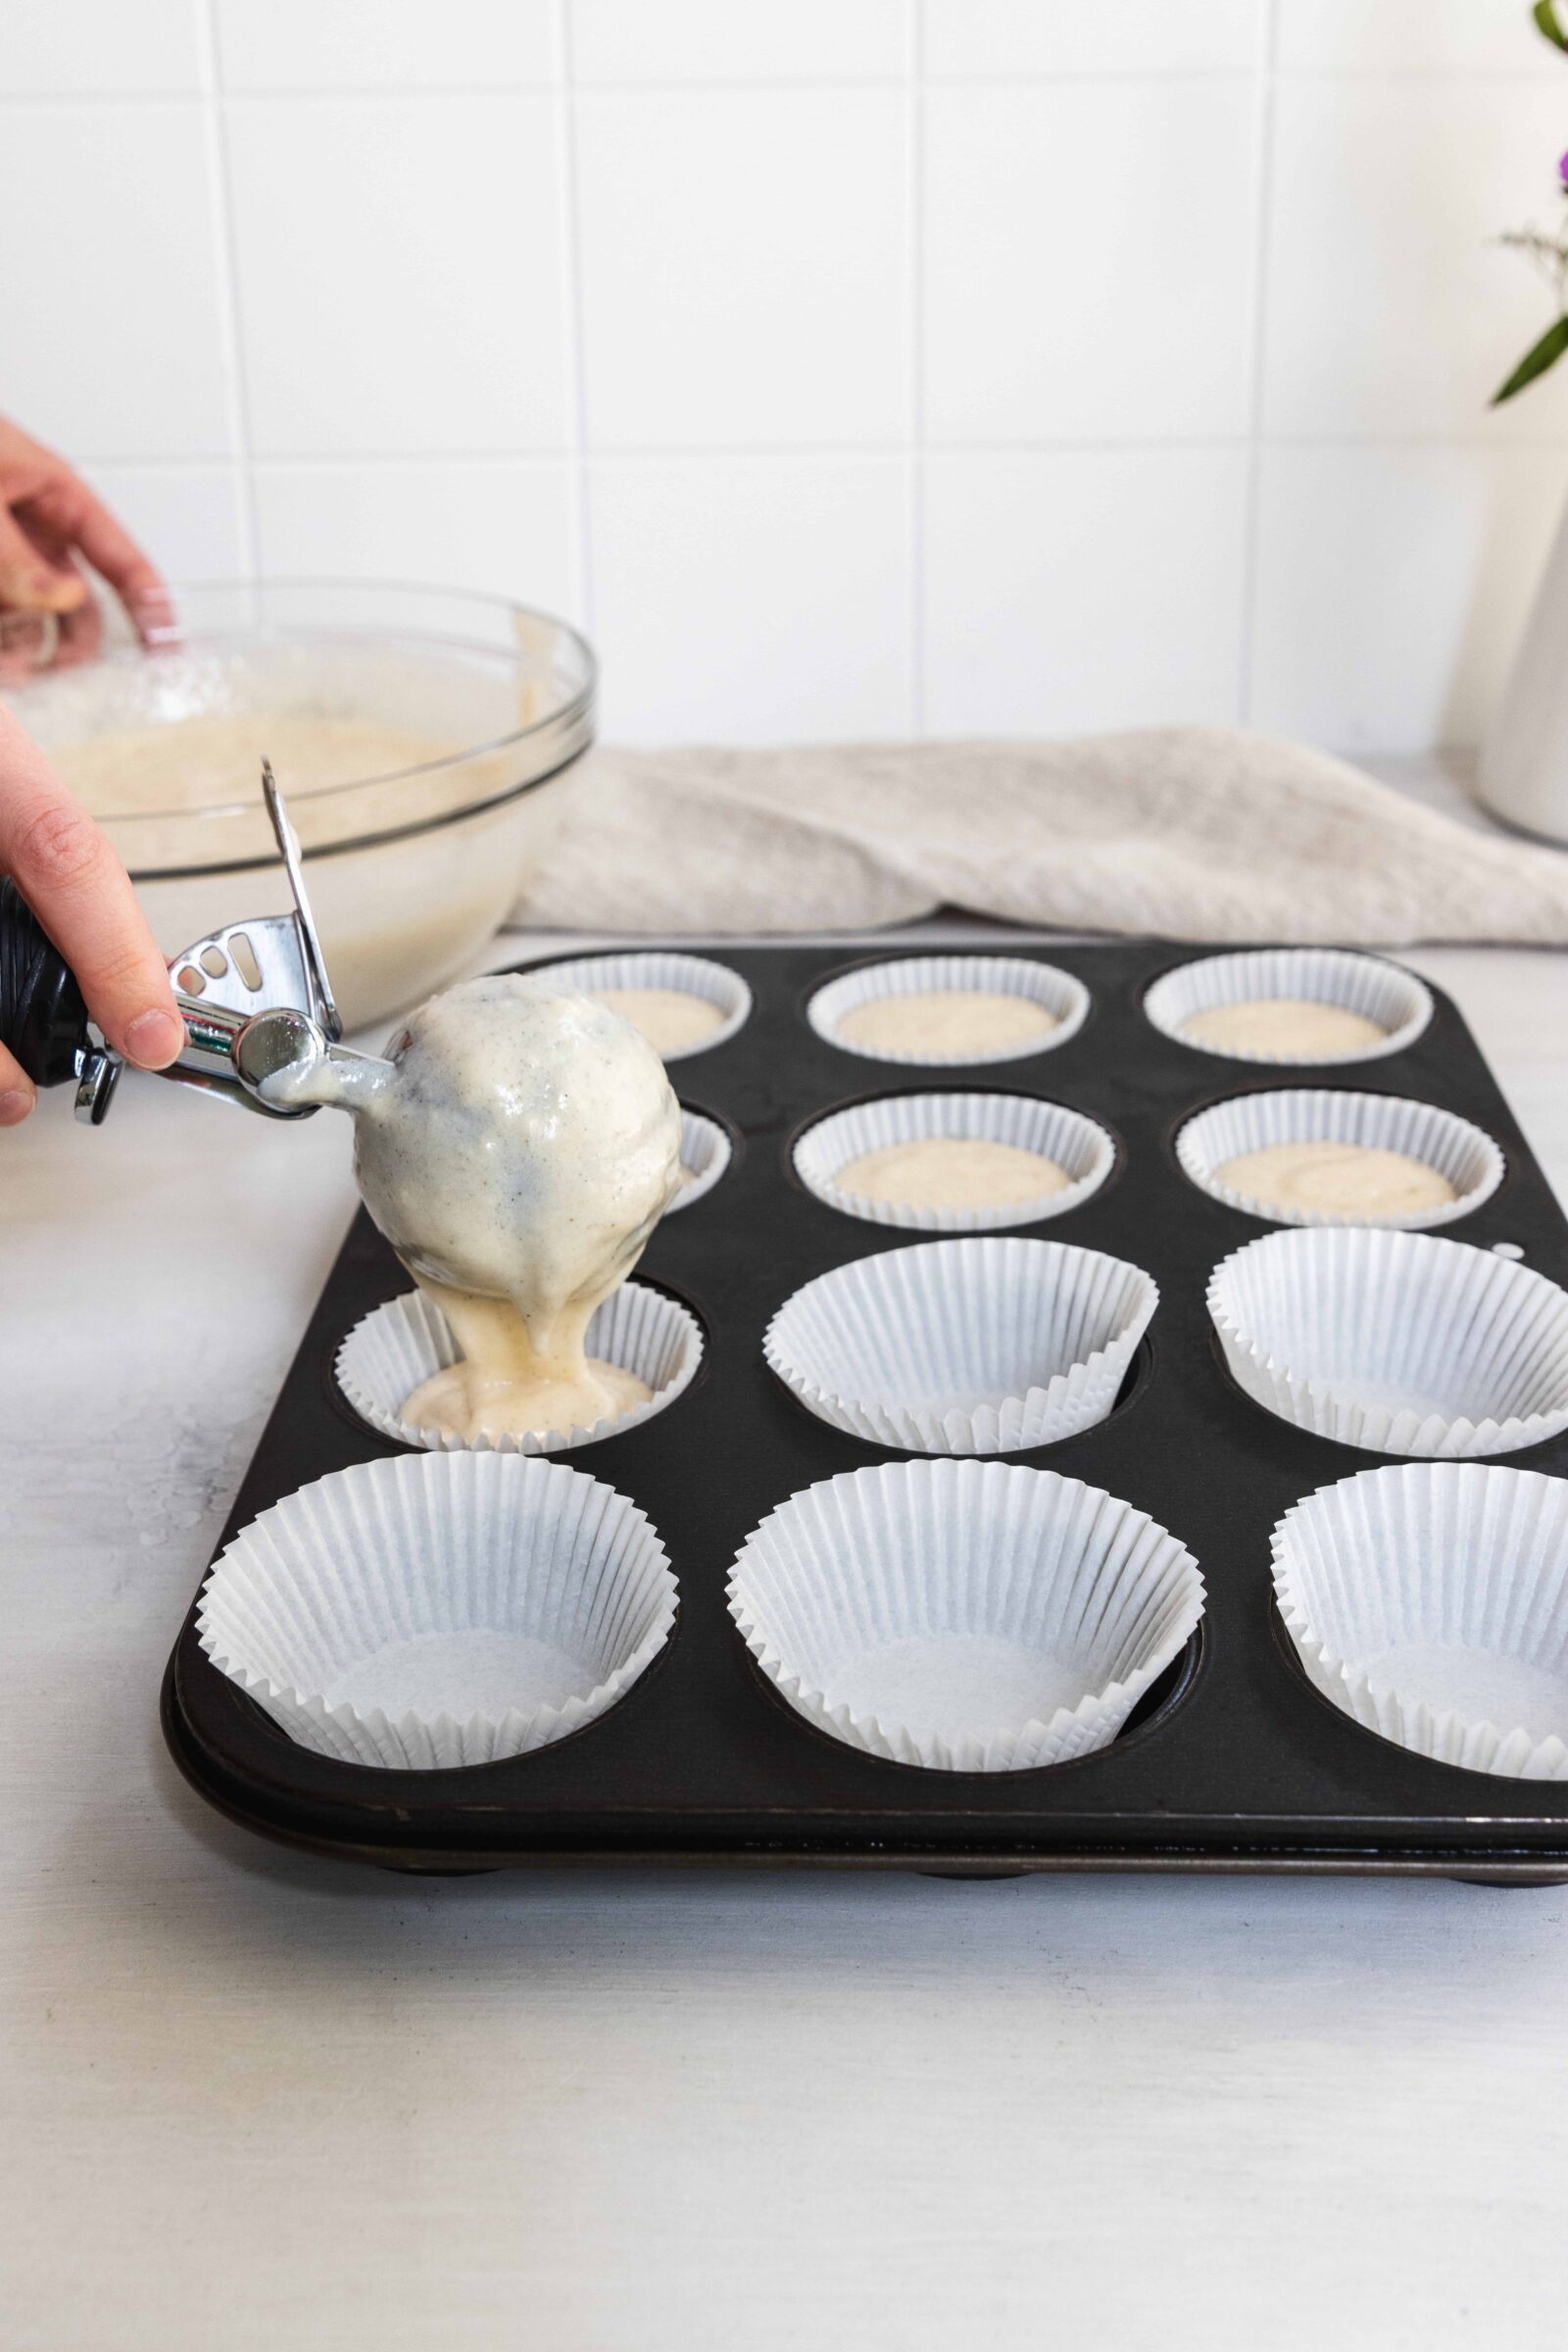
pixel 1524 761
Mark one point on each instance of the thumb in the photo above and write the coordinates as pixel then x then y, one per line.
pixel 29 581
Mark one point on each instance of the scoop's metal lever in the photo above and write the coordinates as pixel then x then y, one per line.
pixel 255 1000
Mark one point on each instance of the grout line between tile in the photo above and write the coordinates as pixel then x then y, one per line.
pixel 916 262
pixel 573 339
pixel 1263 225
pixel 216 136
pixel 1467 76
pixel 871 451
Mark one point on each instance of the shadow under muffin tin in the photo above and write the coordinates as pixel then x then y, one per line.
pixel 1232 1758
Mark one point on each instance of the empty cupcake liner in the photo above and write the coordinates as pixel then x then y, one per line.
pixel 1383 992
pixel 1399 1342
pixel 964 1616
pixel 913 975
pixel 980 1346
pixel 1431 1602
pixel 1084 1152
pixel 433 1611
pixel 1466 1155
pixel 691 975
pixel 397 1346
pixel 705 1155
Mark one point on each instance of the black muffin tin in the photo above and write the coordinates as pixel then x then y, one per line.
pixel 1233 1761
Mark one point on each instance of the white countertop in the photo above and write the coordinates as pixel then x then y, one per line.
pixel 256 2100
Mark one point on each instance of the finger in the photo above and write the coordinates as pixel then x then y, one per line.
pixel 18 1094
pixel 86 524
pixel 29 581
pixel 80 634
pixel 82 897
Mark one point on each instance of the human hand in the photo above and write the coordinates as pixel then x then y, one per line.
pixel 81 895
pixel 51 525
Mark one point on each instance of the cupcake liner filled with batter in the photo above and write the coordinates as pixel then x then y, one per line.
pixel 984 1345
pixel 954 1164
pixel 964 1616
pixel 954 1009
pixel 1291 1004
pixel 705 1153
pixel 1399 1342
pixel 1429 1601
pixel 439 1610
pixel 1322 1155
pixel 390 1356
pixel 683 1004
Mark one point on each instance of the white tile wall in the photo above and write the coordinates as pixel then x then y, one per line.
pixel 1392 585
pixel 399 272
pixel 718 41
pixel 482 523
pixel 848 367
pixel 1088 261
pixel 753 598
pixel 279 46
pixel 1082 588
pixel 745 266
pixel 102 47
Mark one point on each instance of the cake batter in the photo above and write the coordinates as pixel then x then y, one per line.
pixel 516 1149
pixel 1283 1029
pixel 212 761
pixel 947 1024
pixel 1337 1180
pixel 952 1172
pixel 671 1019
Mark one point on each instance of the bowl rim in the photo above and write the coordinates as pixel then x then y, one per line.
pixel 562 733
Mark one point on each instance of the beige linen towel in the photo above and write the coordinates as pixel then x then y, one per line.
pixel 1185 832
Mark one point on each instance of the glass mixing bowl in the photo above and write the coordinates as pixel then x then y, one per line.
pixel 422 739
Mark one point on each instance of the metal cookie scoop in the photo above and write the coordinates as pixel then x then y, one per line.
pixel 255 998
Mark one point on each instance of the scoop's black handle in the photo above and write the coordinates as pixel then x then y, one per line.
pixel 44 1020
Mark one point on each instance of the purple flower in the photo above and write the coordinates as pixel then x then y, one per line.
pixel 1562 169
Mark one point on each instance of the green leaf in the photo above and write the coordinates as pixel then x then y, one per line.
pixel 1546 354
pixel 1544 14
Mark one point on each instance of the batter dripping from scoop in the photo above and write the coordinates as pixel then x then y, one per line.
pixel 517 1149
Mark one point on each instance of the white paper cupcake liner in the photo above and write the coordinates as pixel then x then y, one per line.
pixel 705 1155
pixel 386 1358
pixel 913 975
pixel 980 1346
pixel 440 1610
pixel 1399 1342
pixel 964 1616
pixel 1466 1155
pixel 691 975
pixel 1084 1152
pixel 1431 1602
pixel 1385 993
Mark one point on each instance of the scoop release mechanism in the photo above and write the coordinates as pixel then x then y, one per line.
pixel 255 1000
